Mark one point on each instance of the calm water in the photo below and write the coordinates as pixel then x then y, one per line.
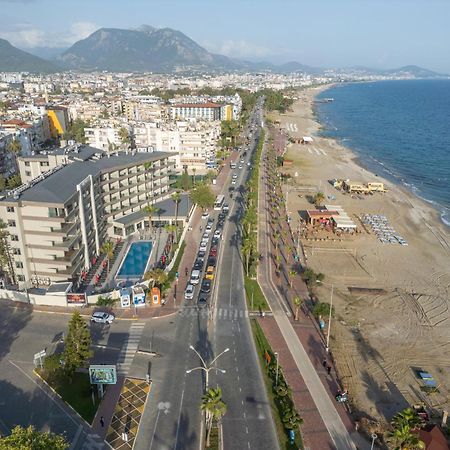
pixel 136 259
pixel 399 129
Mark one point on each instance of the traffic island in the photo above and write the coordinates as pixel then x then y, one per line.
pixel 125 422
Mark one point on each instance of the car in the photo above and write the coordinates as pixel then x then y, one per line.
pixel 212 260
pixel 201 254
pixel 198 265
pixel 102 317
pixel 205 236
pixel 211 220
pixel 234 176
pixel 225 208
pixel 231 189
pixel 202 301
pixel 203 246
pixel 213 251
pixel 195 277
pixel 205 215
pixel 214 241
pixel 249 164
pixel 217 233
pixel 221 216
pixel 240 166
pixel 242 161
pixel 206 286
pixel 219 225
pixel 189 292
pixel 208 227
pixel 233 181
pixel 209 273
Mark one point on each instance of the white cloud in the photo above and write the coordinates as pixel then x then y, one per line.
pixel 239 49
pixel 26 35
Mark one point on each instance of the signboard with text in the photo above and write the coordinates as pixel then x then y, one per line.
pixel 103 374
pixel 76 299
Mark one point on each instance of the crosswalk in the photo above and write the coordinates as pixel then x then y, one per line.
pixel 218 313
pixel 292 127
pixel 130 347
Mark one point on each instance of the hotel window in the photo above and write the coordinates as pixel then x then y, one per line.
pixel 27 173
pixel 14 237
pixel 11 223
pixel 19 265
pixel 16 251
pixel 20 278
pixel 27 163
pixel 44 164
pixel 10 209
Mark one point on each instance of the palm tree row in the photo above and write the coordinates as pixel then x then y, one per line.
pixel 214 408
pixel 404 435
pixel 250 219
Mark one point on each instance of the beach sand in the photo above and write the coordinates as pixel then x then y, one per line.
pixel 378 339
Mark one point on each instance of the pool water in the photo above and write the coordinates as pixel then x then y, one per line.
pixel 136 260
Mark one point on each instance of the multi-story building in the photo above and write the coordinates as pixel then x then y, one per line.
pixel 106 135
pixel 58 120
pixel 58 221
pixel 205 111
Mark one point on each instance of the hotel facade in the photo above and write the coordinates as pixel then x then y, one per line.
pixel 70 205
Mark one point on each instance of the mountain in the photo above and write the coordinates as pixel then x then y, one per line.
pixel 144 49
pixel 14 60
pixel 48 53
pixel 414 71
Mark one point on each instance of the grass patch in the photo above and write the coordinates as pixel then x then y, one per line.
pixel 174 269
pixel 214 438
pixel 259 301
pixel 262 345
pixel 77 394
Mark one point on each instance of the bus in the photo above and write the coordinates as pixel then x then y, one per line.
pixel 219 202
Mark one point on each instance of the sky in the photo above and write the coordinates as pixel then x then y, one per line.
pixel 324 33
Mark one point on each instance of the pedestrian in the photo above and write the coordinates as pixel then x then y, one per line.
pixel 329 370
pixel 324 362
pixel 102 421
pixel 186 271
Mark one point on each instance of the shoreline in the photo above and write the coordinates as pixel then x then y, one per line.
pixel 360 156
pixel 397 315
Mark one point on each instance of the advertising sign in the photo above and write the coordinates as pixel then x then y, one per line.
pixel 76 299
pixel 102 374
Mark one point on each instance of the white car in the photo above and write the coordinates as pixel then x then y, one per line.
pixel 205 215
pixel 233 181
pixel 203 246
pixel 205 236
pixel 102 317
pixel 217 233
pixel 240 166
pixel 189 292
pixel 234 176
pixel 195 277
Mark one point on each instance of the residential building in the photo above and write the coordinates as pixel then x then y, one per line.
pixel 205 111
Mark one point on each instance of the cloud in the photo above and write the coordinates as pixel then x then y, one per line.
pixel 26 35
pixel 239 48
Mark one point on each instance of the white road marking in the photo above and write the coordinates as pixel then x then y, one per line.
pixel 179 415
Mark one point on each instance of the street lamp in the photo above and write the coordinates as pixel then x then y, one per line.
pixel 205 367
pixel 327 348
pixel 374 436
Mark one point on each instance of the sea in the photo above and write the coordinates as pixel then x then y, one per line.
pixel 398 129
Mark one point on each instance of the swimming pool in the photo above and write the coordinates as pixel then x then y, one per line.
pixel 136 260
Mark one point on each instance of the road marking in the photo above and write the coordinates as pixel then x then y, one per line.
pixel 317 151
pixel 248 443
pixel 154 430
pixel 242 401
pixel 245 415
pixel 178 425
pixel 246 430
pixel 309 150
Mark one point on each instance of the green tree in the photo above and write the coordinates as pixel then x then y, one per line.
pixel 291 275
pixel 203 196
pixel 406 417
pixel 247 249
pixel 108 250
pixel 75 131
pixel 151 212
pixel 176 198
pixel 402 438
pixel 298 304
pixel 6 258
pixel 52 367
pixel 77 344
pixel 31 439
pixel 14 147
pixel 157 277
pixel 214 407
pixel 322 309
pixel 319 198
pixel 14 181
pixel 107 302
pixel 2 183
pixel 124 137
pixel 185 181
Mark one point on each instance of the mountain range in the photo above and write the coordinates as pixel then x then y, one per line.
pixel 149 49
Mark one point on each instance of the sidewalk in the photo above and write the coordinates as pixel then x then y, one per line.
pixel 326 424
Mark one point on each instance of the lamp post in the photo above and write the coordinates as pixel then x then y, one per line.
pixel 207 367
pixel 374 436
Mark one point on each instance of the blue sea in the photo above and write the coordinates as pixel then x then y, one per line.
pixel 399 130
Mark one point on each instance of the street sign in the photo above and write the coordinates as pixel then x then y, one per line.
pixel 103 374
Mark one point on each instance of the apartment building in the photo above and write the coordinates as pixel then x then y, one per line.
pixel 205 111
pixel 106 135
pixel 58 221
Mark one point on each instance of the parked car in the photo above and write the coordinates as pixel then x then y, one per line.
pixel 201 254
pixel 217 233
pixel 219 225
pixel 205 215
pixel 240 166
pixel 195 277
pixel 210 273
pixel 213 251
pixel 203 246
pixel 225 208
pixel 208 227
pixel 234 176
pixel 202 301
pixel 205 236
pixel 212 260
pixel 206 286
pixel 189 292
pixel 222 216
pixel 102 317
pixel 198 265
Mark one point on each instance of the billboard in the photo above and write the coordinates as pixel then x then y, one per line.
pixel 103 374
pixel 76 299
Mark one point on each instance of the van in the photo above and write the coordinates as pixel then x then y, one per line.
pixel 195 277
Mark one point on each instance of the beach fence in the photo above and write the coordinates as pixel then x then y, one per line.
pixel 348 251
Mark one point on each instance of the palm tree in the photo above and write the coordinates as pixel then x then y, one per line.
pixel 291 274
pixel 247 249
pixel 108 250
pixel 404 439
pixel 406 417
pixel 157 277
pixel 298 304
pixel 124 136
pixel 215 408
pixel 319 198
pixel 176 197
pixel 14 147
pixel 193 175
pixel 151 211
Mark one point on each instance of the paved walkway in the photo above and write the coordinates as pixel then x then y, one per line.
pixel 301 349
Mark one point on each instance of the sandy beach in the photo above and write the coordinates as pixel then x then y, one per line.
pixel 380 338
